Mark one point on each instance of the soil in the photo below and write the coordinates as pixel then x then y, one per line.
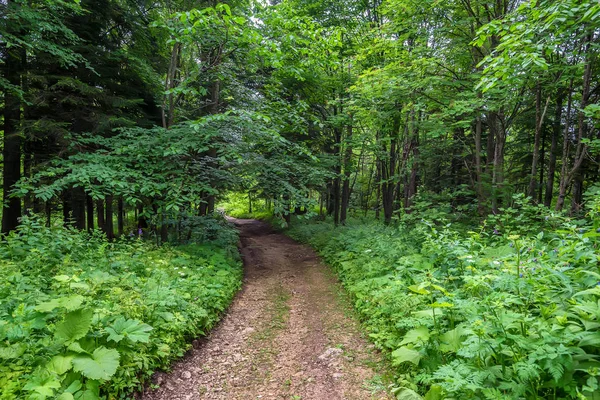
pixel 289 334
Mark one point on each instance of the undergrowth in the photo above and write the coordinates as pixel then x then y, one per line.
pixel 505 309
pixel 85 318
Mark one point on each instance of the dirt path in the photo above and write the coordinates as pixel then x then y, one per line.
pixel 289 334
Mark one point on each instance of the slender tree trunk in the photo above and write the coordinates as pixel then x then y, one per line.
pixel 567 175
pixel 142 222
pixel 212 152
pixel 541 163
pixel 367 197
pixel 66 207
pixel 77 198
pixel 388 173
pixel 120 216
pixel 29 200
pixel 89 202
pixel 347 171
pixel 169 116
pixel 413 180
pixel 12 140
pixel 478 166
pixel 411 187
pixel 553 149
pixel 101 216
pixel 490 144
pixel 499 133
pixel 109 226
pixel 164 229
pixel 48 211
pixel 378 190
pixel 539 119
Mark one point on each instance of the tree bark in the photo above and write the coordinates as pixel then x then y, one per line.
pixel 89 202
pixel 539 120
pixel 478 166
pixel 567 174
pixel 77 199
pixel 12 140
pixel 109 226
pixel 553 147
pixel 388 174
pixel 120 216
pixel 347 171
pixel 101 215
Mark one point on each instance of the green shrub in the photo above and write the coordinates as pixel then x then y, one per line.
pixel 506 310
pixel 84 318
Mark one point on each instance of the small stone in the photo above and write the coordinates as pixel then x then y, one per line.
pixel 332 352
pixel 337 375
pixel 186 375
pixel 248 331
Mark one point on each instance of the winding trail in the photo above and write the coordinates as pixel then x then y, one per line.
pixel 289 334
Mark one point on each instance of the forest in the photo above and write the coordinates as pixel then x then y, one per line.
pixel 443 157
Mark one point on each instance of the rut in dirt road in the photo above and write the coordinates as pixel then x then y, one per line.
pixel 287 335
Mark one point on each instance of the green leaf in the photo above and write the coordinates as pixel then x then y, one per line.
pixel 418 289
pixel 441 305
pixel 75 326
pixel 408 394
pixel 13 351
pixel 74 386
pixel 77 348
pixel 70 303
pixel 133 330
pixel 43 385
pixel 60 364
pixel 65 396
pixel 420 334
pixel 101 364
pixel 590 339
pixel 434 393
pixel 404 354
pixel 451 341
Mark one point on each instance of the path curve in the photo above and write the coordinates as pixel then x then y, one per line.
pixel 289 334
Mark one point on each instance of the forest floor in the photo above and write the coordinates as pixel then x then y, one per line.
pixel 290 333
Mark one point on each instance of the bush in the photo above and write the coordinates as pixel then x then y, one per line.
pixel 508 310
pixel 81 317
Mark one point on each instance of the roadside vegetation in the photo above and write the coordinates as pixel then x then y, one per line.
pixel 85 318
pixel 503 309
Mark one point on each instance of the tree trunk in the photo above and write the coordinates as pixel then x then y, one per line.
pixel 12 140
pixel 478 166
pixel 553 147
pixel 212 152
pixel 101 215
pixel 347 170
pixel 66 207
pixel 499 134
pixel 120 216
pixel 78 207
pixel 164 229
pixel 89 202
pixel 539 120
pixel 567 175
pixel 388 174
pixel 108 227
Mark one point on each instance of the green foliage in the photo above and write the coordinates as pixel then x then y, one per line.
pixel 506 309
pixel 81 317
